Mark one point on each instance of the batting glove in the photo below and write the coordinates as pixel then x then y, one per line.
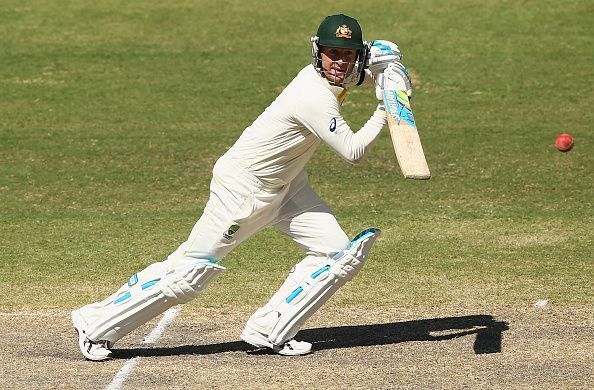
pixel 394 77
pixel 381 54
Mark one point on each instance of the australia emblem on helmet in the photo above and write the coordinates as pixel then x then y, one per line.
pixel 343 32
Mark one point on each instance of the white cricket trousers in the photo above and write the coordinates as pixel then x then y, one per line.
pixel 240 205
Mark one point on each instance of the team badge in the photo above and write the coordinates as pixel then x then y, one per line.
pixel 232 230
pixel 344 32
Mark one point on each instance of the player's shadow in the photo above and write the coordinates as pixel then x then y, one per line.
pixel 487 330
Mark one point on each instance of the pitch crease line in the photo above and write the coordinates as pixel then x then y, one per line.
pixel 41 313
pixel 119 379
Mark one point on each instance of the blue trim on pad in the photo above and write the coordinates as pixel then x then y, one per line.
pixel 364 234
pixel 320 271
pixel 149 284
pixel 122 298
pixel 133 280
pixel 294 294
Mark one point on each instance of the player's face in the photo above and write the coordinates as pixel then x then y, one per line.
pixel 337 63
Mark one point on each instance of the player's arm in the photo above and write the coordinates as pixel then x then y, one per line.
pixel 324 120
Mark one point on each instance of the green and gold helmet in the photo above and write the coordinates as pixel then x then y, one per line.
pixel 344 32
pixel 340 31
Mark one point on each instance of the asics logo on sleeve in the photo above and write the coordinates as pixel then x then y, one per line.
pixel 332 127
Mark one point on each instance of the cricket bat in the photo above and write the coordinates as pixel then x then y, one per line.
pixel 405 136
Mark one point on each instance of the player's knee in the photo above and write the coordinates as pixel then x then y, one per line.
pixel 333 245
pixel 186 282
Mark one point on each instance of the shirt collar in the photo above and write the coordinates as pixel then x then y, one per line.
pixel 337 91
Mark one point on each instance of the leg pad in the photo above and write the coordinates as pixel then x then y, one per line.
pixel 146 295
pixel 309 285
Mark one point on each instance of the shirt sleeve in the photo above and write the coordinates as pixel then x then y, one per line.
pixel 322 117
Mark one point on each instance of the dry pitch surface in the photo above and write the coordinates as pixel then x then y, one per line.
pixel 513 347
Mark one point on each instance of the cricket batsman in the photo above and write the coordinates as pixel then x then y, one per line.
pixel 259 182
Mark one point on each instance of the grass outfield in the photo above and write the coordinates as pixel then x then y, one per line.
pixel 112 115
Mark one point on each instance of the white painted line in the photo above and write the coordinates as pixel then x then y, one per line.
pixel 41 313
pixel 539 304
pixel 122 375
pixel 167 319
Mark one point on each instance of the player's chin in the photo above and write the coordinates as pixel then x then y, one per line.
pixel 335 78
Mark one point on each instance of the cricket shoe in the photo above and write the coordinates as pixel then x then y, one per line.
pixel 288 348
pixel 91 350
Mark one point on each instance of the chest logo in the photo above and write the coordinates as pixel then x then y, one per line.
pixel 343 32
pixel 332 127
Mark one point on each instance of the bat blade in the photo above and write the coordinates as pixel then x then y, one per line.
pixel 405 136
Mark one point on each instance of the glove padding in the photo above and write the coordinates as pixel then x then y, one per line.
pixel 395 76
pixel 381 54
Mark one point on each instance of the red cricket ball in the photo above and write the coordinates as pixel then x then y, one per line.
pixel 564 142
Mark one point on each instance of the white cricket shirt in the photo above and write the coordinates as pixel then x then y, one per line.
pixel 280 142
